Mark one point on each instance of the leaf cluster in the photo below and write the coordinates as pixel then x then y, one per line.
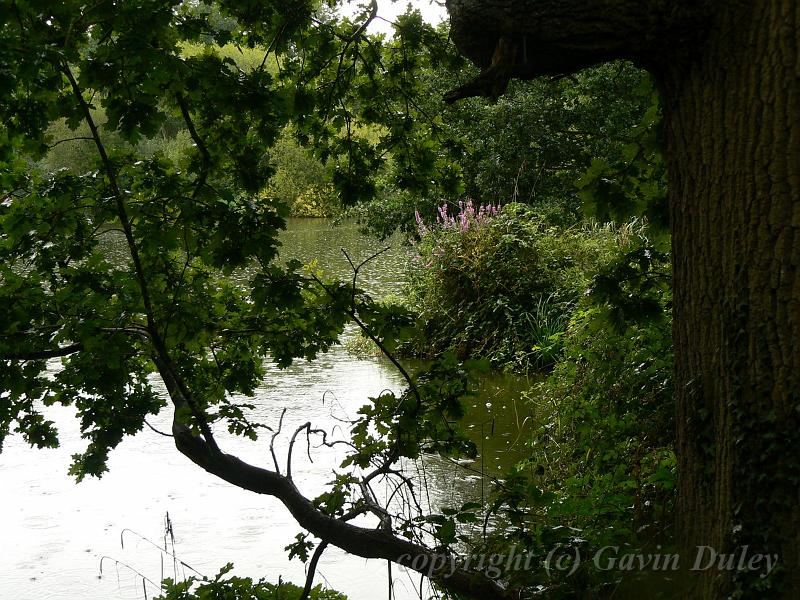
pixel 230 587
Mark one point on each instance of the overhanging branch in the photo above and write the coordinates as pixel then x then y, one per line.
pixel 530 38
pixel 42 354
pixel 360 541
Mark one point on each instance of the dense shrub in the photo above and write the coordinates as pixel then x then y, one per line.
pixel 602 470
pixel 610 424
pixel 500 284
pixel 542 135
pixel 315 201
pixel 300 180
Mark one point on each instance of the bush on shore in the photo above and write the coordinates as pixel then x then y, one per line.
pixel 501 282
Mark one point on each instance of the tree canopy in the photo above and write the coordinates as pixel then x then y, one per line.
pixel 200 301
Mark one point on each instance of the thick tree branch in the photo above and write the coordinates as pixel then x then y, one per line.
pixel 42 354
pixel 360 541
pixel 526 39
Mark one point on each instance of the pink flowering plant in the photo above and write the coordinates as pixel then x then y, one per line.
pixel 499 282
pixel 467 216
pixel 453 223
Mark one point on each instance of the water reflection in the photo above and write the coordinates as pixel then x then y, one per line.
pixel 318 240
pixel 56 532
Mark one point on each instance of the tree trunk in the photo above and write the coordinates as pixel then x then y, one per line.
pixel 733 146
pixel 729 72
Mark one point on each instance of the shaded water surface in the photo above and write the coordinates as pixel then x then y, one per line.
pixel 56 533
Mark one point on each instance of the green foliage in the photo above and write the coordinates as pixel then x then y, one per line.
pixel 539 137
pixel 631 179
pixel 503 290
pixel 533 144
pixel 239 588
pixel 423 419
pixel 359 344
pixel 602 470
pixel 300 548
pixel 377 128
pixel 300 180
pixel 315 202
pixel 184 212
pixel 244 58
pixel 612 409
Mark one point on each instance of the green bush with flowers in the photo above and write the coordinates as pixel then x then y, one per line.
pixel 500 282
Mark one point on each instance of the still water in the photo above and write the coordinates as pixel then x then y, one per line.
pixel 56 534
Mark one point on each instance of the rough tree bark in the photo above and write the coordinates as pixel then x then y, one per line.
pixel 729 73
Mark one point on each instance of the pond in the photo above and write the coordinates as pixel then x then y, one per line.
pixel 56 533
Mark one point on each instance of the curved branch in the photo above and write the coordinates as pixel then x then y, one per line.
pixel 169 435
pixel 72 139
pixel 526 39
pixel 360 541
pixel 43 354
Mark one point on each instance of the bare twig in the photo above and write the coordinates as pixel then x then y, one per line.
pixel 72 139
pixel 130 568
pixel 312 569
pixel 169 435
pixel 310 430
pixel 275 434
pixel 160 549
